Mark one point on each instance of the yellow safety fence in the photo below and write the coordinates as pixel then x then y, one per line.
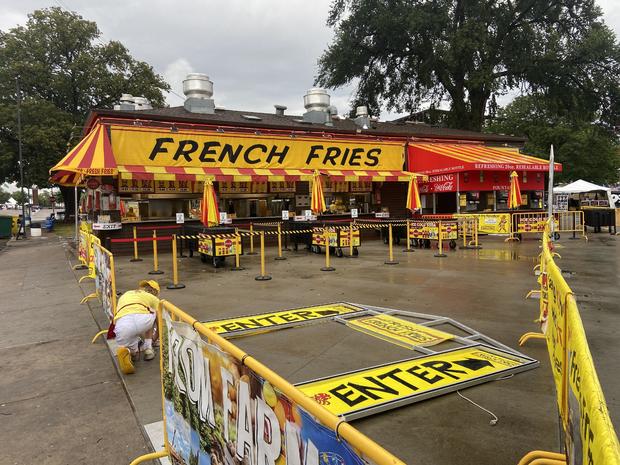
pixel 212 389
pixel 589 435
pixel 519 223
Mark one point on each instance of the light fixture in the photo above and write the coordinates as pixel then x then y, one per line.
pixel 257 133
pixel 174 128
pixel 465 177
pixel 481 176
pixel 219 130
pixel 524 177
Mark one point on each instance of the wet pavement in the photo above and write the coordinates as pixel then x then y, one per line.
pixel 483 289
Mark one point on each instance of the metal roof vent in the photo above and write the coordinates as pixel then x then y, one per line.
pixel 316 103
pixel 279 110
pixel 142 103
pixel 198 90
pixel 127 102
pixel 362 119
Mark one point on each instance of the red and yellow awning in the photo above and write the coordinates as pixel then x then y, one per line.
pixel 438 158
pixel 91 157
pixel 248 174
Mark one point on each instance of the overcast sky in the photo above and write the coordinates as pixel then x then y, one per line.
pixel 257 52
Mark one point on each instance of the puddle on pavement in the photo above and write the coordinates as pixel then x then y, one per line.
pixel 504 255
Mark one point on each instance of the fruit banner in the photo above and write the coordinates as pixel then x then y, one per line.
pixel 105 284
pixel 218 411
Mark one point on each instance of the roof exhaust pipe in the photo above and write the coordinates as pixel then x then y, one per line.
pixel 198 90
pixel 317 103
pixel 280 110
pixel 362 119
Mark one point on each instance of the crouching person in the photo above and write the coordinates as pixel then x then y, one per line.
pixel 136 320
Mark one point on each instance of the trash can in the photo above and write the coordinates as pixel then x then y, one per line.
pixel 35 229
pixel 6 225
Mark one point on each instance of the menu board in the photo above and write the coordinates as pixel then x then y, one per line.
pixel 162 187
pixel 256 187
pixel 335 186
pixel 361 186
pixel 282 186
pixel 136 185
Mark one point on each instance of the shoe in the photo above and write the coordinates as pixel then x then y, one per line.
pixel 156 343
pixel 135 356
pixel 149 354
pixel 124 360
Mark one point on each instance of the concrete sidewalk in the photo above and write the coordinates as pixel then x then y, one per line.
pixel 61 398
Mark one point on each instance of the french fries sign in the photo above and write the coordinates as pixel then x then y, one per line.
pixel 364 392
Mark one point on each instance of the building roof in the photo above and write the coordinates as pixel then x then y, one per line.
pixel 294 123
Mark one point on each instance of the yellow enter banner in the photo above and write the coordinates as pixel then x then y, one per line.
pixel 388 386
pixel 202 149
pixel 399 331
pixel 277 320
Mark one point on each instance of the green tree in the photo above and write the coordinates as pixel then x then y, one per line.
pixel 402 53
pixel 64 70
pixel 4 196
pixel 21 197
pixel 586 150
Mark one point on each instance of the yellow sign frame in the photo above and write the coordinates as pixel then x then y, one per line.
pixel 350 396
pixel 252 324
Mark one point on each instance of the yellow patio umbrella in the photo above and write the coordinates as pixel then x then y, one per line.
pixel 317 203
pixel 514 199
pixel 210 213
pixel 413 195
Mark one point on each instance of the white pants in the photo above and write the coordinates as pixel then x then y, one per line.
pixel 130 328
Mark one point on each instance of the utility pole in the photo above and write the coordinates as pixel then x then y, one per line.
pixel 19 151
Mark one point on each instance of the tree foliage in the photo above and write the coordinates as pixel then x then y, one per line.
pixel 402 53
pixel 4 196
pixel 64 71
pixel 21 197
pixel 586 150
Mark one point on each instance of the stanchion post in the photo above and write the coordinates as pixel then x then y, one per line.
pixel 407 235
pixel 573 214
pixel 135 258
pixel 440 254
pixel 280 257
pixel 391 260
pixel 262 276
pixel 351 254
pixel 175 271
pixel 251 239
pixel 237 266
pixel 327 266
pixel 156 269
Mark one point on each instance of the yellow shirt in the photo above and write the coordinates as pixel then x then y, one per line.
pixel 136 301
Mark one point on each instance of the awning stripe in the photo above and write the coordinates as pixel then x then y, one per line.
pixel 248 174
pixel 471 156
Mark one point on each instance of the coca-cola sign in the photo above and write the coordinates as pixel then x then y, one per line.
pixel 439 183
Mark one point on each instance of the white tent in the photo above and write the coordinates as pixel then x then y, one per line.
pixel 12 202
pixel 581 187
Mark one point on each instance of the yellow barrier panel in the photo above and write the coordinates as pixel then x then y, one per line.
pixel 175 271
pixel 91 239
pixel 189 405
pixel 135 258
pixel 156 269
pixel 588 432
pixel 82 250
